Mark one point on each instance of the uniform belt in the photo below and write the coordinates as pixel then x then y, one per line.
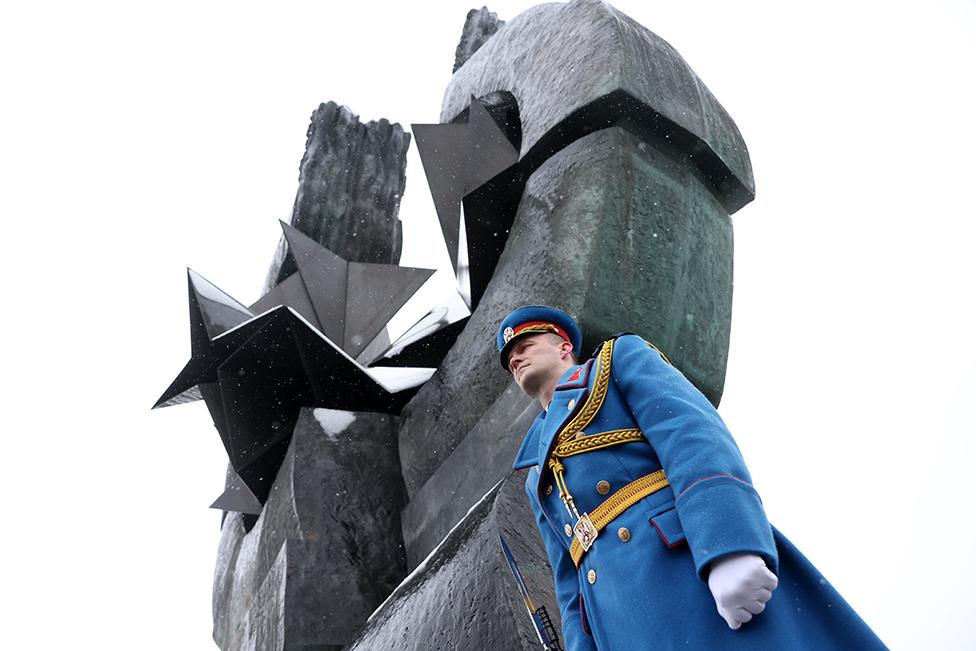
pixel 617 503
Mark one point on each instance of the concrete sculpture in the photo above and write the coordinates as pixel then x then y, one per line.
pixel 611 195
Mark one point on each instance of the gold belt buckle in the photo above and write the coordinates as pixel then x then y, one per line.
pixel 585 532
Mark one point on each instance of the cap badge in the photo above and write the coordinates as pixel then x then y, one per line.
pixel 508 334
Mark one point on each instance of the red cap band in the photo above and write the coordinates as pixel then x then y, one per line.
pixel 539 326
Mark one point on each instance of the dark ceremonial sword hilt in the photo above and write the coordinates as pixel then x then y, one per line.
pixel 540 618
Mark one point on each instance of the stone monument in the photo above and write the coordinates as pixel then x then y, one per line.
pixel 380 531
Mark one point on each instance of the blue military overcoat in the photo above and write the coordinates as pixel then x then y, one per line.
pixel 642 583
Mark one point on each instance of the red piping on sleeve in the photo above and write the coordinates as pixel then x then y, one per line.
pixel 701 479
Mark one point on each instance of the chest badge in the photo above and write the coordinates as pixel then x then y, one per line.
pixel 585 532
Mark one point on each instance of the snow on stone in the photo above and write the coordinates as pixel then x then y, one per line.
pixel 333 422
pixel 393 378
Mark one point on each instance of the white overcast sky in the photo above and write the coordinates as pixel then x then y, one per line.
pixel 139 138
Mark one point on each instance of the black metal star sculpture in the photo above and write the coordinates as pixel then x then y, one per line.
pixel 298 345
pixel 458 159
pixel 349 302
pixel 426 342
pixel 256 372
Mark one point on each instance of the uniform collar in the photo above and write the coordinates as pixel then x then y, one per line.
pixel 575 377
pixel 571 390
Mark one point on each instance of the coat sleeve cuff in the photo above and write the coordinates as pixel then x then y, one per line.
pixel 723 515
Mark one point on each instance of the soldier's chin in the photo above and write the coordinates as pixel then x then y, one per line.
pixel 526 382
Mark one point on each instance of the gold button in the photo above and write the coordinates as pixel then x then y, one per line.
pixel 623 533
pixel 548 489
pixel 568 529
pixel 591 576
pixel 603 487
pixel 571 404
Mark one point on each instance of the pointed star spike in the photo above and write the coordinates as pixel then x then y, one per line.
pixel 443 149
pixel 491 153
pixel 216 309
pixel 184 388
pixel 206 356
pixel 376 293
pixel 213 312
pixel 457 159
pixel 352 300
pixel 291 292
pixel 190 395
pixel 238 498
pixel 325 277
pixel 201 368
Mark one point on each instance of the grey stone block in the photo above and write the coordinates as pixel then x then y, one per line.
pixel 327 548
pixel 464 596
pixel 350 182
pixel 581 65
pixel 481 459
pixel 617 231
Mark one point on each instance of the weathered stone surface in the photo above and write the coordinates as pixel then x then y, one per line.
pixel 479 26
pixel 464 597
pixel 481 459
pixel 326 550
pixel 583 65
pixel 619 232
pixel 350 182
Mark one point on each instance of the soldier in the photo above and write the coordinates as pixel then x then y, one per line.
pixel 647 510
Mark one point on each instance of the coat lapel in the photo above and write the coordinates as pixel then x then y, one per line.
pixel 528 451
pixel 568 398
pixel 564 404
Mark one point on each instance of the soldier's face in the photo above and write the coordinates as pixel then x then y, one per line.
pixel 537 359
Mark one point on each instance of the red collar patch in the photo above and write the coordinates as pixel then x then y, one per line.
pixel 578 378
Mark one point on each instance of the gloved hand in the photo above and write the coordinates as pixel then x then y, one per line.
pixel 741 585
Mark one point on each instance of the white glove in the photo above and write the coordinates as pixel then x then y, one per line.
pixel 741 585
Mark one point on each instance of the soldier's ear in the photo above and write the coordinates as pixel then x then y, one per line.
pixel 565 348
